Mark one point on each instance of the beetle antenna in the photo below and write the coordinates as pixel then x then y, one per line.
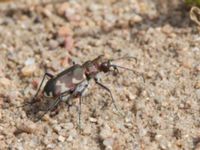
pixel 138 73
pixel 125 57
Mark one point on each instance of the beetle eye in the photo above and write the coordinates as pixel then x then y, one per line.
pixel 105 67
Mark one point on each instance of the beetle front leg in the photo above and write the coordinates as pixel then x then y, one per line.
pixel 79 93
pixel 109 91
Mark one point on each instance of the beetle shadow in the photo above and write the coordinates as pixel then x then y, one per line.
pixel 39 106
pixel 173 13
pixel 176 14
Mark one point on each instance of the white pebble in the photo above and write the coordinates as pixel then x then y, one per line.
pixel 30 61
pixel 69 126
pixel 108 142
pixel 27 71
pixel 105 132
pixel 93 120
pixel 70 139
pixel 198 93
pixel 87 129
pixel 61 138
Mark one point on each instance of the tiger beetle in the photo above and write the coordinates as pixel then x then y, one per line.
pixel 72 82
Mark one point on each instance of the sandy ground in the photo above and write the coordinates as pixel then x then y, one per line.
pixel 160 113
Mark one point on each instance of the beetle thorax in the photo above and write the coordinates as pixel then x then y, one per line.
pixel 91 69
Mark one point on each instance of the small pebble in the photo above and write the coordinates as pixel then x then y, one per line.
pixel 62 8
pixel 57 128
pixel 51 146
pixel 158 137
pixel 131 96
pixel 1 72
pixel 137 18
pixel 108 142
pixel 27 127
pixel 1 137
pixel 197 85
pixel 27 71
pixel 35 83
pixel 105 132
pixel 94 7
pixel 13 95
pixel 5 82
pixel 198 68
pixel 69 126
pixel 47 12
pixel 70 14
pixel 70 139
pixel 53 44
pixel 65 62
pixel 93 120
pixel 167 29
pixel 30 61
pixel 61 138
pixel 64 31
pixel 73 133
pixel 198 93
pixel 60 40
pixel 87 130
pixel 69 43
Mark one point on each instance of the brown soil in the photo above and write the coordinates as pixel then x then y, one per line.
pixel 161 112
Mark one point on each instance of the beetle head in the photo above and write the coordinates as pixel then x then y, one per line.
pixel 105 65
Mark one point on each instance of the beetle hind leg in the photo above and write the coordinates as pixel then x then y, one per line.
pixel 36 94
pixel 50 108
pixel 79 110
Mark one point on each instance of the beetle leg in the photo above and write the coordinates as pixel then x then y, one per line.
pixel 46 74
pixel 109 91
pixel 58 100
pixel 50 108
pixel 79 92
pixel 79 110
pixel 32 100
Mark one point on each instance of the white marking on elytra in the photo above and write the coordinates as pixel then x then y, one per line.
pixel 75 81
pixel 50 94
pixel 63 86
pixel 84 76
